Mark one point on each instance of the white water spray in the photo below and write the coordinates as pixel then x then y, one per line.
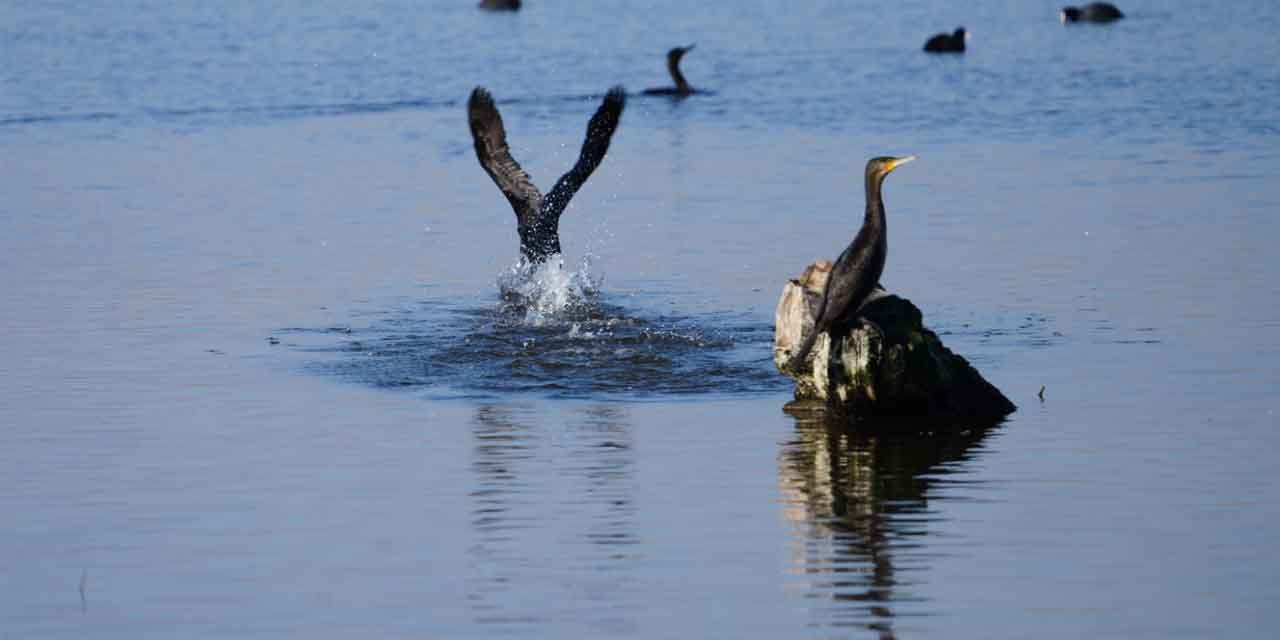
pixel 545 290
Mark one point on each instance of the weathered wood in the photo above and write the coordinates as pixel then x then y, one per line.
pixel 887 365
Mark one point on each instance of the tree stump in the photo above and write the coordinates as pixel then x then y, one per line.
pixel 888 364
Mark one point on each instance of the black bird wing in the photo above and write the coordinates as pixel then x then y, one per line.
pixel 599 133
pixel 494 155
pixel 853 277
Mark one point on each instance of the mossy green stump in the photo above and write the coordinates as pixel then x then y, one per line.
pixel 889 364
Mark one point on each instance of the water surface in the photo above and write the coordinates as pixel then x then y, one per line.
pixel 260 378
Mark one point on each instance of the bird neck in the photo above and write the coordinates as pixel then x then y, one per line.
pixel 673 67
pixel 875 205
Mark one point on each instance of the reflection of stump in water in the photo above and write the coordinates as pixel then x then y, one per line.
pixel 858 500
pixel 572 482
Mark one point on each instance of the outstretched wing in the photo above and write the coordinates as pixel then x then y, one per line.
pixel 494 155
pixel 599 133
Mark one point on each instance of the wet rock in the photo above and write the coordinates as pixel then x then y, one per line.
pixel 889 364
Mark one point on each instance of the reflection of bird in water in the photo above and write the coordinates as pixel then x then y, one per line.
pixel 500 5
pixel 947 42
pixel 536 480
pixel 601 458
pixel 682 87
pixel 506 442
pixel 862 503
pixel 538 217
pixel 1093 12
pixel 857 271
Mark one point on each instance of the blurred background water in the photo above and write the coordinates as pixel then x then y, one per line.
pixel 258 379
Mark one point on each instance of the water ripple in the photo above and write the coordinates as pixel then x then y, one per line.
pixel 560 338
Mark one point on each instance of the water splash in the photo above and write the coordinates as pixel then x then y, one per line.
pixel 553 332
pixel 551 335
pixel 543 292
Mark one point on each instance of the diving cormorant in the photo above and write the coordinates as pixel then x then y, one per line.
pixel 947 43
pixel 682 87
pixel 1093 12
pixel 538 217
pixel 857 271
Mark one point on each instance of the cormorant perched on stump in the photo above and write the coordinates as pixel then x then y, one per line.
pixel 682 87
pixel 856 272
pixel 538 217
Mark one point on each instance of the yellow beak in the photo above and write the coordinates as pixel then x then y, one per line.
pixel 898 162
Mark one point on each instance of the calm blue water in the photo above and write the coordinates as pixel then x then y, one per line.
pixel 259 379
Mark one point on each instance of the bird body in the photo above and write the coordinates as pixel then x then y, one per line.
pixel 681 87
pixel 538 217
pixel 947 42
pixel 1093 12
pixel 857 271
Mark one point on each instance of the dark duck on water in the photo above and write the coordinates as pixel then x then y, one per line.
pixel 1093 12
pixel 538 216
pixel 499 5
pixel 947 43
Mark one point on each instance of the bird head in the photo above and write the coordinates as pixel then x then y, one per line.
pixel 878 168
pixel 676 53
pixel 1069 14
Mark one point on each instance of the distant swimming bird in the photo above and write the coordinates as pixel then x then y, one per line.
pixel 947 43
pixel 856 272
pixel 682 87
pixel 1093 12
pixel 538 217
pixel 500 5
